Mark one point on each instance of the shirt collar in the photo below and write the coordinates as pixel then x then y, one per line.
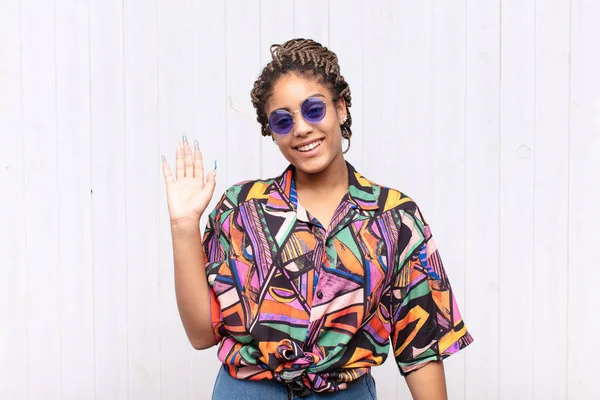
pixel 360 191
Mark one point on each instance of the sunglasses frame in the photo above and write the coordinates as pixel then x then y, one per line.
pixel 291 113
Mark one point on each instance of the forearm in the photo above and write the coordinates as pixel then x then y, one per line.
pixel 428 382
pixel 191 285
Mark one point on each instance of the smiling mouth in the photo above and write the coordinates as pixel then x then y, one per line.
pixel 309 146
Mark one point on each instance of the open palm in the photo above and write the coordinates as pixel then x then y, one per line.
pixel 188 194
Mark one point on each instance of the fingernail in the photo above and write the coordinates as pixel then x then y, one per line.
pixel 196 145
pixel 184 139
pixel 215 165
pixel 163 159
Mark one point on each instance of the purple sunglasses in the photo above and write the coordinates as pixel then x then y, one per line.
pixel 313 110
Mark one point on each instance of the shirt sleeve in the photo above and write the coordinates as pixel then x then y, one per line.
pixel 426 322
pixel 216 258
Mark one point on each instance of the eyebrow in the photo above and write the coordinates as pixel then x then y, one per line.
pixel 288 109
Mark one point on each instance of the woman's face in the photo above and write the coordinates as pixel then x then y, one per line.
pixel 298 146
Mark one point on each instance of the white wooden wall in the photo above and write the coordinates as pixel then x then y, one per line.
pixel 487 112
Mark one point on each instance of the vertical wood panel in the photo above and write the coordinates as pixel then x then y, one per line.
pixel 176 118
pixel 243 67
pixel 375 32
pixel 210 99
pixel 584 197
pixel 41 217
pixel 346 39
pixel 277 26
pixel 516 198
pixel 551 199
pixel 481 307
pixel 141 144
pixel 494 130
pixel 407 121
pixel 74 185
pixel 311 20
pixel 13 340
pixel 447 214
pixel 109 201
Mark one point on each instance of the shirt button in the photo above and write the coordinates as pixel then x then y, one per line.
pixel 319 295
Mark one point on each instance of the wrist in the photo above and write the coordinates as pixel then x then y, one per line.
pixel 185 224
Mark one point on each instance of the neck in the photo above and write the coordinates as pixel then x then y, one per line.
pixel 332 178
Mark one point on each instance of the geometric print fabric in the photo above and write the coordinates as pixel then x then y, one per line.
pixel 316 307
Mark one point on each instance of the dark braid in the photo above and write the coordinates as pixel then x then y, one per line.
pixel 304 57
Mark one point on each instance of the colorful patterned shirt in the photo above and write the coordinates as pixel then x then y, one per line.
pixel 316 308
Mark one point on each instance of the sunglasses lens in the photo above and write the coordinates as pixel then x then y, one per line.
pixel 313 109
pixel 281 122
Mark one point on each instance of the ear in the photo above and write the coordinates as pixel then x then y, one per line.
pixel 340 108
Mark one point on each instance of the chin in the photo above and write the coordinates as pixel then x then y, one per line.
pixel 312 165
pixel 310 168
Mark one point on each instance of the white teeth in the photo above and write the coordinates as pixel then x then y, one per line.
pixel 311 146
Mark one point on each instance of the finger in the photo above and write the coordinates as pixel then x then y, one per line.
pixel 198 163
pixel 189 160
pixel 167 171
pixel 180 170
pixel 211 181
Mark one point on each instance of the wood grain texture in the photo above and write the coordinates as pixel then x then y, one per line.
pixel 42 218
pixel 14 347
pixel 584 195
pixel 517 232
pixel 487 113
pixel 140 45
pixel 109 200
pixel 551 200
pixel 75 199
pixel 482 157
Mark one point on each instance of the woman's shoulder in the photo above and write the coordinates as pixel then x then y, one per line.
pixel 390 198
pixel 235 194
pixel 395 201
pixel 376 196
pixel 248 189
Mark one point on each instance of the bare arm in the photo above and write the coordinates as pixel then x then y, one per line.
pixel 428 382
pixel 188 196
pixel 191 286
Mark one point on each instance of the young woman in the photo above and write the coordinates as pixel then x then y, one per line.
pixel 304 280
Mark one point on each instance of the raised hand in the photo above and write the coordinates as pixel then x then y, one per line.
pixel 189 193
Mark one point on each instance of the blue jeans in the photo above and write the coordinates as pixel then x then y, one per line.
pixel 228 388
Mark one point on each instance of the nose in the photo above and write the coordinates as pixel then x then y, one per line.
pixel 301 126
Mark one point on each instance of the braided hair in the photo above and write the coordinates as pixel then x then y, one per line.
pixel 307 58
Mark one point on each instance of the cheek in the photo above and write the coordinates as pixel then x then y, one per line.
pixel 332 123
pixel 281 143
pixel 332 128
